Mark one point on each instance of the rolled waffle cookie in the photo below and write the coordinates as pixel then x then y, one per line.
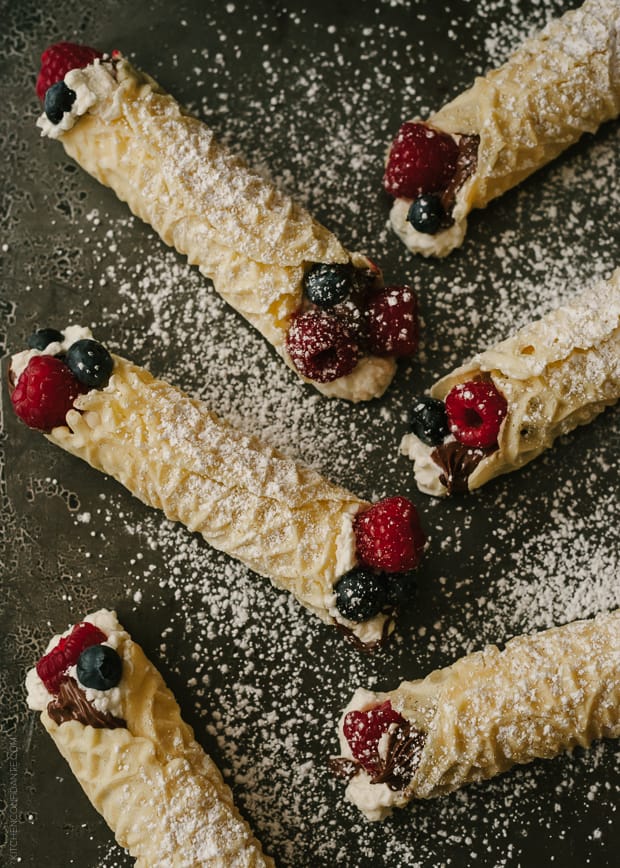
pixel 511 402
pixel 542 695
pixel 558 85
pixel 323 308
pixel 120 729
pixel 277 516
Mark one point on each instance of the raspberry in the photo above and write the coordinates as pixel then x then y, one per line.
pixel 45 392
pixel 52 667
pixel 363 731
pixel 393 323
pixel 59 59
pixel 321 347
pixel 475 411
pixel 389 536
pixel 421 160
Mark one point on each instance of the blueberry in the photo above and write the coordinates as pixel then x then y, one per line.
pixel 90 363
pixel 426 213
pixel 58 99
pixel 360 594
pixel 42 338
pixel 99 667
pixel 328 284
pixel 429 421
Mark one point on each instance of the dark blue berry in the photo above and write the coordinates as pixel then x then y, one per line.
pixel 58 99
pixel 360 595
pixel 328 284
pixel 90 363
pixel 42 338
pixel 99 667
pixel 429 421
pixel 426 213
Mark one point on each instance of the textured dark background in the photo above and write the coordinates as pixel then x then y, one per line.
pixel 311 93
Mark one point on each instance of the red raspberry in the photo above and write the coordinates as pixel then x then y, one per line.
pixel 475 412
pixel 45 392
pixel 59 59
pixel 363 731
pixel 393 323
pixel 421 160
pixel 389 536
pixel 52 667
pixel 321 347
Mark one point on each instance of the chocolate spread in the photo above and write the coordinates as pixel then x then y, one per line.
pixel 71 704
pixel 466 165
pixel 402 757
pixel 457 463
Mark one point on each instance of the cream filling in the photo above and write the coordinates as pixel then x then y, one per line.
pixel 110 701
pixel 374 800
pixel 440 244
pixel 426 470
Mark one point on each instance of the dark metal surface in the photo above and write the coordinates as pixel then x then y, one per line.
pixel 313 93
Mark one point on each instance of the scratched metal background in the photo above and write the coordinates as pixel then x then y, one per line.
pixel 312 91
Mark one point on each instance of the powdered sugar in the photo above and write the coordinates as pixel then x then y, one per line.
pixel 262 682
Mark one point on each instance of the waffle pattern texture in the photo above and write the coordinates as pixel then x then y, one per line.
pixel 558 85
pixel 251 240
pixel 556 373
pixel 161 795
pixel 542 695
pixel 282 519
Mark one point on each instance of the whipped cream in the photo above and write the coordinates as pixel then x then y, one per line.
pixel 19 361
pixel 439 244
pixel 110 701
pixel 426 470
pixel 374 800
pixel 91 85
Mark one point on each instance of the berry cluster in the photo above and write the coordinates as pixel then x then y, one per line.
pixel 347 313
pixel 98 666
pixel 421 164
pixel 58 60
pixel 53 666
pixel 389 544
pixel 363 731
pixel 473 413
pixel 49 385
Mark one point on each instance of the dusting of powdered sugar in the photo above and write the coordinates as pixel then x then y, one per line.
pixel 311 97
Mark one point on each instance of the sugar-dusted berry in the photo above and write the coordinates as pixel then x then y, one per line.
pixel 393 322
pixel 426 213
pixel 90 363
pixel 45 392
pixel 321 347
pixel 327 284
pixel 360 594
pixel 389 536
pixel 363 731
pixel 429 421
pixel 421 160
pixel 475 412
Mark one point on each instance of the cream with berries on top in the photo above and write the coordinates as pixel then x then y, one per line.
pixel 269 259
pixel 511 402
pixel 133 755
pixel 342 558
pixel 543 694
pixel 557 86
